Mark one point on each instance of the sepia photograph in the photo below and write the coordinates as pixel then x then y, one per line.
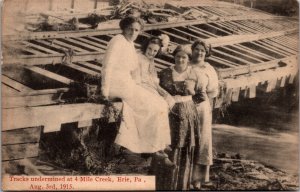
pixel 150 95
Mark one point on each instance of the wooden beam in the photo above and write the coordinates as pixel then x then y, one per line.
pixel 217 28
pixel 51 59
pixel 50 75
pixel 78 49
pixel 241 54
pixel 282 44
pixel 115 29
pixel 215 11
pixel 222 61
pixel 86 41
pixel 255 52
pixel 249 53
pixel 27 135
pixel 6 90
pixel 233 57
pixel 208 34
pixel 271 48
pixel 176 36
pixel 29 100
pixel 190 36
pixel 14 84
pixel 20 151
pixel 39 47
pixel 291 61
pixel 82 69
pixel 278 46
pixel 53 118
pixel 85 45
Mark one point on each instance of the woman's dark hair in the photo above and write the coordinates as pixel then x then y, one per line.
pixel 151 40
pixel 206 47
pixel 127 21
pixel 184 48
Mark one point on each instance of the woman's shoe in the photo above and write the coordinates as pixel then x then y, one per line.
pixel 163 157
pixel 196 185
pixel 207 184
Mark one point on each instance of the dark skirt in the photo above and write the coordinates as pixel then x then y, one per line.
pixel 184 123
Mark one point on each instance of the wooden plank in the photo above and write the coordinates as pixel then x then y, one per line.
pixel 191 28
pixel 87 46
pixel 291 60
pixel 176 36
pixel 100 41
pixel 236 28
pixel 89 65
pixel 201 10
pixel 284 43
pixel 225 26
pixel 288 41
pixel 39 47
pixel 83 69
pixel 29 100
pixel 50 75
pixel 278 46
pixel 19 151
pixel 223 61
pixel 233 57
pixel 266 48
pixel 14 84
pixel 281 45
pixel 241 54
pixel 256 27
pixel 57 42
pixel 249 53
pixel 55 116
pixel 234 39
pixel 32 51
pixel 215 11
pixel 47 43
pixel 203 31
pixel 272 48
pixel 190 36
pixel 260 54
pixel 212 12
pixel 217 28
pixel 115 29
pixel 245 28
pixel 99 45
pixel 26 135
pixel 6 90
pixel 51 59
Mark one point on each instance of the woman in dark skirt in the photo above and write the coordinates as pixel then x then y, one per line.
pixel 179 81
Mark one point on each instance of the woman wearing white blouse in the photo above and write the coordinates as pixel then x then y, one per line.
pixel 209 86
pixel 145 125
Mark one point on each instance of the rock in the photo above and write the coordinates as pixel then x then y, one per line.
pixel 257 175
pixel 225 166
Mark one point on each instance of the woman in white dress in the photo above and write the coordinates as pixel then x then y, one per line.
pixel 209 86
pixel 145 124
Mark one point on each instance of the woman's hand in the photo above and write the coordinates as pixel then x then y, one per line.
pixel 170 100
pixel 180 99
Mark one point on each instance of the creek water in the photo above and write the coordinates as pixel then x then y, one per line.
pixel 262 132
pixel 277 148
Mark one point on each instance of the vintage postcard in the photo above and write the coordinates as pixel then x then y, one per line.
pixel 149 95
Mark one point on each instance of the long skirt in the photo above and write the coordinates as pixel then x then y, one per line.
pixel 184 123
pixel 205 114
pixel 145 124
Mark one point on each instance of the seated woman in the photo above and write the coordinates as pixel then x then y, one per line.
pixel 145 125
pixel 184 121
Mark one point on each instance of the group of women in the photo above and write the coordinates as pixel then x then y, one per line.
pixel 167 114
